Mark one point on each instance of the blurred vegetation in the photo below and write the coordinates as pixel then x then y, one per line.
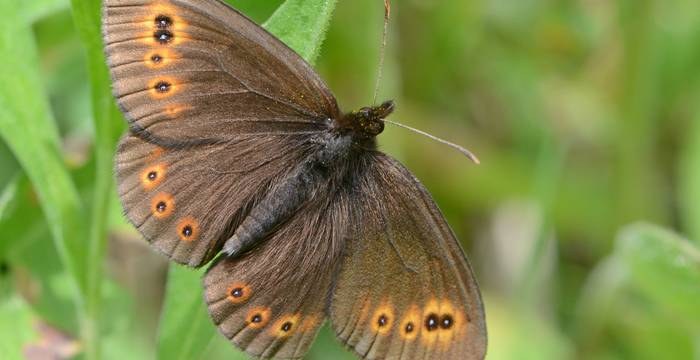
pixel 584 113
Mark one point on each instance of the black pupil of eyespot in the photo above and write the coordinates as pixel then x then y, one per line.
pixel 162 86
pixel 160 206
pixel 409 327
pixel 156 58
pixel 163 36
pixel 256 318
pixel 381 321
pixel 286 326
pixel 152 175
pixel 431 323
pixel 237 292
pixel 187 230
pixel 163 21
pixel 446 322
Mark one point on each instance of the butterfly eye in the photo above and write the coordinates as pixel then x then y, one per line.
pixel 431 322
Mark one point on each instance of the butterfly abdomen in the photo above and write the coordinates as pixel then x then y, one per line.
pixel 289 195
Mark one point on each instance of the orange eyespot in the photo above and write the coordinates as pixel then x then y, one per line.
pixel 163 87
pixel 162 16
pixel 162 25
pixel 188 229
pixel 410 324
pixel 238 292
pixel 155 154
pixel 285 326
pixel 383 319
pixel 162 205
pixel 152 176
pixel 310 322
pixel 174 109
pixel 158 58
pixel 258 317
pixel 429 323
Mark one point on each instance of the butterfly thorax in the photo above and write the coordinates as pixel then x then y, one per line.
pixel 367 122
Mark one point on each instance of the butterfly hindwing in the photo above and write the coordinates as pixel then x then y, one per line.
pixel 270 302
pixel 405 289
pixel 208 188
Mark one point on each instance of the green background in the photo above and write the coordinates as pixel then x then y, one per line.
pixel 585 114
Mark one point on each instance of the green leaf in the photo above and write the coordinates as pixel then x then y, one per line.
pixel 28 128
pixel 665 268
pixel 186 331
pixel 302 25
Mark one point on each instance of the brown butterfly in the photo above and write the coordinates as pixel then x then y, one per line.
pixel 236 147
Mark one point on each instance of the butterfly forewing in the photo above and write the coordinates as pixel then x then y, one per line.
pixel 405 289
pixel 218 109
pixel 193 72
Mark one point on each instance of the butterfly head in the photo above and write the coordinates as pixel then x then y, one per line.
pixel 368 121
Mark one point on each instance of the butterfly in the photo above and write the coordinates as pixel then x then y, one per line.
pixel 238 155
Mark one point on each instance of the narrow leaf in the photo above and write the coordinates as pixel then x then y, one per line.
pixel 28 128
pixel 302 25
pixel 108 125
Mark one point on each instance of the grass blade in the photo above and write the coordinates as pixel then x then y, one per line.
pixel 108 125
pixel 28 128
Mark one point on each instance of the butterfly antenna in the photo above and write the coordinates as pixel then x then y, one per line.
pixel 464 151
pixel 387 13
